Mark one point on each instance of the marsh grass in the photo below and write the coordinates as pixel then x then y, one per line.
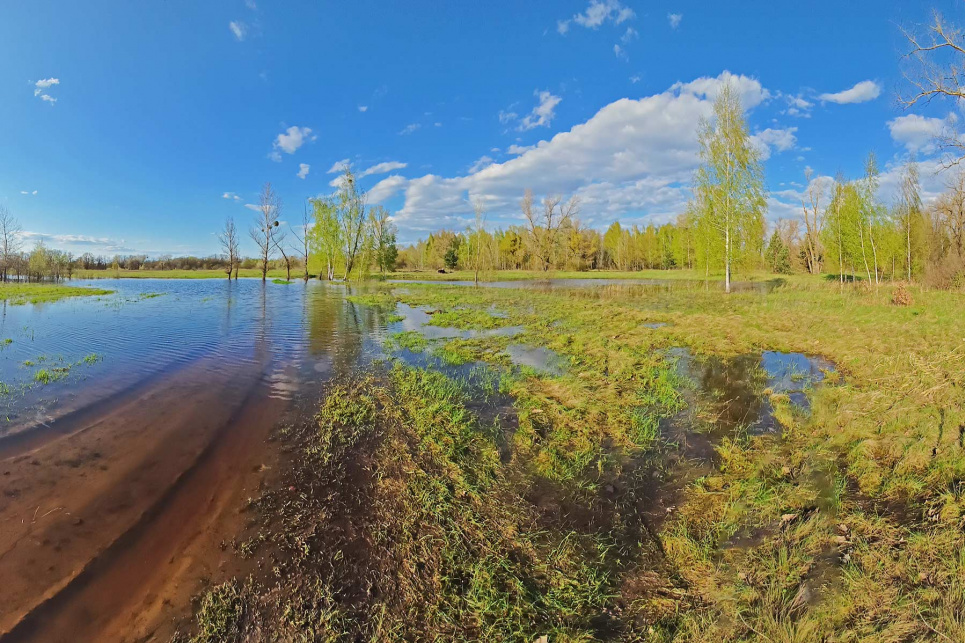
pixel 883 435
pixel 37 293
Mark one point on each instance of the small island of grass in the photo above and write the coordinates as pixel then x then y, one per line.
pixel 38 293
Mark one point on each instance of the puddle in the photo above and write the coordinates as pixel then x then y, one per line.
pixel 419 320
pixel 734 389
pixel 655 325
pixel 482 384
pixel 537 358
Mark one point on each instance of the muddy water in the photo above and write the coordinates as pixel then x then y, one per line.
pixel 122 480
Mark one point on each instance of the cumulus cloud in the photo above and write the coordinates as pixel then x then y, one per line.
pixel 674 19
pixel 597 13
pixel 239 29
pixel 632 157
pixel 780 139
pixel 231 196
pixel 480 163
pixel 519 149
pixel 339 166
pixel 386 188
pixel 28 192
pixel 363 108
pixel 303 169
pixel 861 93
pixel 620 52
pixel 542 115
pixel 920 134
pixel 290 140
pixel 383 168
pixel 79 242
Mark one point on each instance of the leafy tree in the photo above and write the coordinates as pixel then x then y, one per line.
pixel 729 185
pixel 778 255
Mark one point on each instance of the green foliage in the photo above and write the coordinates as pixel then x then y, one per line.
pixel 730 197
pixel 778 256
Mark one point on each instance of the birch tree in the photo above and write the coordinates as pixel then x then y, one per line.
pixel 909 214
pixel 350 214
pixel 325 235
pixel 262 231
pixel 730 181
pixel 811 202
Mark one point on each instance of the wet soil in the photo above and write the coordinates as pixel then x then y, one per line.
pixel 111 526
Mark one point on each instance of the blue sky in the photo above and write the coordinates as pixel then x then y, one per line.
pixel 167 117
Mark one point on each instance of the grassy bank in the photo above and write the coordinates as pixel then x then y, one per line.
pixel 32 293
pixel 846 524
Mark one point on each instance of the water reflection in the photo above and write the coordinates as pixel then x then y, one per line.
pixel 298 335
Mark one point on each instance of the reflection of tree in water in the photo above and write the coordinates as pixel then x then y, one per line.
pixel 735 388
pixel 337 328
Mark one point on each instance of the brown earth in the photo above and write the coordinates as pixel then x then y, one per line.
pixel 108 530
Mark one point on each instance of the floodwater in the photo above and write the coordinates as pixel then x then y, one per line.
pixel 123 476
pixel 124 467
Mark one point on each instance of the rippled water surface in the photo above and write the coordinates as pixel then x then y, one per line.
pixel 298 333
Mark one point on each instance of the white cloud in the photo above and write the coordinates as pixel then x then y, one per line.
pixel 797 105
pixel 363 108
pixel 382 168
pixel 507 117
pixel 239 29
pixel 28 192
pixel 251 4
pixel 620 52
pixel 408 129
pixel 519 149
pixel 480 163
pixel 920 133
pixel 674 19
pixel 290 140
pixel 252 206
pixel 339 166
pixel 303 169
pixel 780 139
pixel 77 242
pixel 231 196
pixel 597 13
pixel 635 79
pixel 542 115
pixel 44 84
pixel 386 188
pixel 862 92
pixel 633 157
pixel 630 34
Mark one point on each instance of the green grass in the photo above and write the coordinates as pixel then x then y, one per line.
pixel 281 282
pixel 845 525
pixel 37 293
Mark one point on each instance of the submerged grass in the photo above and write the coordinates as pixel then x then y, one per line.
pixel 846 524
pixel 35 293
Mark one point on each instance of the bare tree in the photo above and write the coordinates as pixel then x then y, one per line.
pixel 278 238
pixel 262 232
pixel 10 241
pixel 229 244
pixel 304 241
pixel 936 68
pixel 544 228
pixel 812 222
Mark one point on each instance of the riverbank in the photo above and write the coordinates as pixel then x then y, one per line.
pixel 690 466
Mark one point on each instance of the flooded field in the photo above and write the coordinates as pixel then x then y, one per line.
pixel 219 460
